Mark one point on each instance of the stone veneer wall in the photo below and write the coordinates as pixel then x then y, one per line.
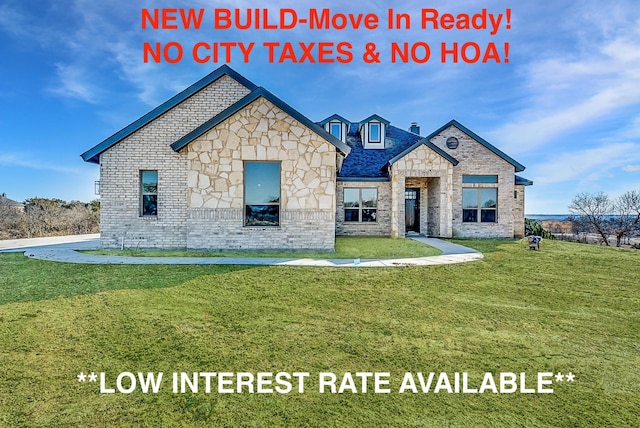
pixel 215 177
pixel 434 200
pixel 429 203
pixel 475 159
pixel 382 225
pixel 518 212
pixel 422 163
pixel 149 149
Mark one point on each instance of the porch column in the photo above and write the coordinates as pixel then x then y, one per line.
pixel 397 204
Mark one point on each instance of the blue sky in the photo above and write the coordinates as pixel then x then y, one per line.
pixel 567 105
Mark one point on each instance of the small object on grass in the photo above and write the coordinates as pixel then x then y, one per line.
pixel 534 242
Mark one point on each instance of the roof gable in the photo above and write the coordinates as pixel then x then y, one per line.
pixel 334 118
pixel 518 166
pixel 376 118
pixel 430 145
pixel 245 101
pixel 93 154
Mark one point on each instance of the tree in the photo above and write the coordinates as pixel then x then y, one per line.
pixel 593 209
pixel 12 220
pixel 627 215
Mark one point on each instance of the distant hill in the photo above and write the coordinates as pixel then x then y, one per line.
pixel 541 217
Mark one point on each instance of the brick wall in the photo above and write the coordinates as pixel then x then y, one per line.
pixel 149 149
pixel 382 225
pixel 475 159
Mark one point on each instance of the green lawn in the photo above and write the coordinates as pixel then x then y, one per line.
pixel 346 248
pixel 568 307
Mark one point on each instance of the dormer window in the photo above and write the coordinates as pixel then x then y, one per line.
pixel 374 132
pixel 335 128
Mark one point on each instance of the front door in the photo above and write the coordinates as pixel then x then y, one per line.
pixel 412 210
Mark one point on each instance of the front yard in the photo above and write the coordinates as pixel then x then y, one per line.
pixel 567 308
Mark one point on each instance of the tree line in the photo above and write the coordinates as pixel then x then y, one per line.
pixel 608 217
pixel 38 217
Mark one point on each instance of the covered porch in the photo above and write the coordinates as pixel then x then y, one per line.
pixel 421 192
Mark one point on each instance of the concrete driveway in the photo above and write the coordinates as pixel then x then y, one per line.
pixel 74 242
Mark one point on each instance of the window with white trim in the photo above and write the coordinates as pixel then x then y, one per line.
pixel 335 128
pixel 360 205
pixel 374 132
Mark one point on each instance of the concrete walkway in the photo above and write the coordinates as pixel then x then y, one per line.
pixel 451 253
pixel 75 242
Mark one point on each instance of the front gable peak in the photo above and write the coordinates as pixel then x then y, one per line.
pixel 245 101
pixel 93 154
pixel 454 123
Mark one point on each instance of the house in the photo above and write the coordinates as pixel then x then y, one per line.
pixel 225 164
pixel 10 203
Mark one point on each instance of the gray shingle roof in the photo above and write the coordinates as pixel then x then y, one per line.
pixel 373 163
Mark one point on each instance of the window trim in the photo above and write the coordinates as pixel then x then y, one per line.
pixel 478 210
pixel 379 125
pixel 480 179
pixel 360 206
pixel 339 124
pixel 246 203
pixel 143 193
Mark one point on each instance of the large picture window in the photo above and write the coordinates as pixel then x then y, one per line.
pixel 262 193
pixel 149 193
pixel 480 205
pixel 360 205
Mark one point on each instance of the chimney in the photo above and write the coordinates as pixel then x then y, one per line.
pixel 414 128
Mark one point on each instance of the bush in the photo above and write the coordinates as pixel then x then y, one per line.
pixel 534 228
pixel 49 217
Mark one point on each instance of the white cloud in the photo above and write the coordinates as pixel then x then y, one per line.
pixel 26 160
pixel 631 168
pixel 576 79
pixel 72 82
pixel 585 166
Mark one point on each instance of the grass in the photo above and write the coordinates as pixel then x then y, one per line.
pixel 568 307
pixel 346 248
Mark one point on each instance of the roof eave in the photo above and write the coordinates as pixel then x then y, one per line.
pixel 248 99
pixel 374 117
pixel 517 165
pixel 334 117
pixel 521 181
pixel 363 179
pixel 93 155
